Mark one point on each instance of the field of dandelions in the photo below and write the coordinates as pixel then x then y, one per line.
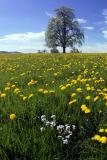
pixel 53 107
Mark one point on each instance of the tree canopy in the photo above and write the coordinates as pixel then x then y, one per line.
pixel 64 30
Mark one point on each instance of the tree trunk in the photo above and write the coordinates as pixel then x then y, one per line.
pixel 64 49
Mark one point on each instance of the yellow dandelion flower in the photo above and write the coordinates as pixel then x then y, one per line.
pixel 74 81
pixel 73 94
pixel 79 90
pixel 45 92
pixel 24 98
pixel 88 97
pixel 12 116
pixel 40 90
pixel 96 98
pixel 68 85
pixel 83 107
pixel 101 130
pixel 96 137
pixel 2 95
pixel 72 102
pixel 87 110
pixel 106 130
pixel 30 95
pixel 88 89
pixel 63 88
pixel 105 89
pixel 32 82
pixel 7 88
pixel 103 139
pixel 17 90
pixel 13 86
pixel 105 97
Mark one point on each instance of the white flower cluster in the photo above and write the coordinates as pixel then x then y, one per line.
pixel 64 131
pixel 51 123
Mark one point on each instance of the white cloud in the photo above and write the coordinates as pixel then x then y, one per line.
pixel 104 13
pixel 95 47
pixel 89 28
pixel 104 33
pixel 81 20
pixel 48 14
pixel 23 36
pixel 24 42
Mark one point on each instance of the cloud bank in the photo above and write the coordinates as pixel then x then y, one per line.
pixel 95 48
pixel 24 42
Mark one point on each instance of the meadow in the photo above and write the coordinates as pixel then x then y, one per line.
pixel 53 106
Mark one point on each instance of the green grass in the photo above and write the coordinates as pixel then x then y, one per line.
pixel 21 138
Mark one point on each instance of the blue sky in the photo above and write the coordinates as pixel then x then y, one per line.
pixel 23 23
